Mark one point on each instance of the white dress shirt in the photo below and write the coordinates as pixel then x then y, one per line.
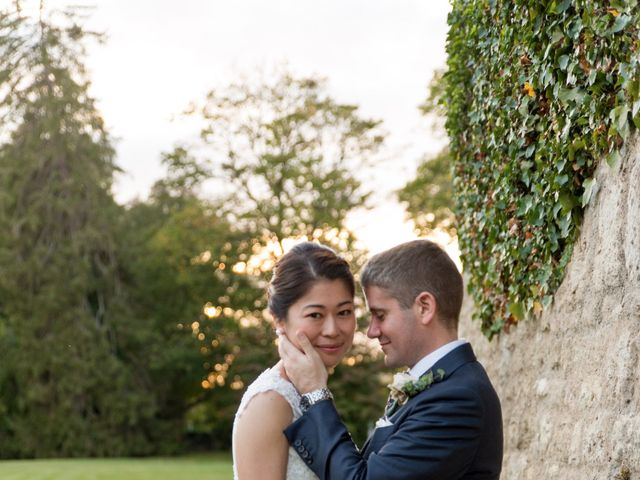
pixel 430 360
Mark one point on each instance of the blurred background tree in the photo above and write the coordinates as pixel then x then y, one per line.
pixel 428 198
pixel 134 330
pixel 287 154
pixel 178 248
pixel 65 385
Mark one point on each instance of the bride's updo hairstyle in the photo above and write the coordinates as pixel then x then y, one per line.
pixel 299 269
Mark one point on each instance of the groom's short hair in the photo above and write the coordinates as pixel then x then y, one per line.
pixel 414 267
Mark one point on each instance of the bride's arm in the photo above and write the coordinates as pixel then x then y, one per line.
pixel 261 449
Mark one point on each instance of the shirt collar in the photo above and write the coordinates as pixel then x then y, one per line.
pixel 430 360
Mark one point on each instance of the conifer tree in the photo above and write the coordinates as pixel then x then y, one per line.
pixel 65 388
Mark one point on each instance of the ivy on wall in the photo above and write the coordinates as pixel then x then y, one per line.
pixel 537 92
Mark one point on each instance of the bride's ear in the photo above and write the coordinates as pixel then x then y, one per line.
pixel 278 324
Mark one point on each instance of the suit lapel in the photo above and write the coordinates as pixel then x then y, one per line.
pixel 454 360
pixel 449 363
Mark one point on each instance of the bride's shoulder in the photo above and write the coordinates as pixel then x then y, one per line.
pixel 257 433
pixel 265 412
pixel 270 402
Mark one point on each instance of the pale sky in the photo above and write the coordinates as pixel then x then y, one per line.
pixel 161 55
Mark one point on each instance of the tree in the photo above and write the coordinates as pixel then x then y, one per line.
pixel 428 198
pixel 286 153
pixel 180 251
pixel 289 153
pixel 65 388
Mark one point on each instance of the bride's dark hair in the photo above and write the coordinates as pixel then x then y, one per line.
pixel 299 269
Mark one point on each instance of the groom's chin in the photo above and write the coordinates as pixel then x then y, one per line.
pixel 389 362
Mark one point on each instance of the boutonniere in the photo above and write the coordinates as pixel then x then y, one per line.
pixel 405 386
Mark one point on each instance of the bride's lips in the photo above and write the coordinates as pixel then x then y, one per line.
pixel 330 348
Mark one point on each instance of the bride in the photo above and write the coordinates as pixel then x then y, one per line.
pixel 312 292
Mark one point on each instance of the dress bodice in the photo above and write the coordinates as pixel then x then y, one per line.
pixel 270 380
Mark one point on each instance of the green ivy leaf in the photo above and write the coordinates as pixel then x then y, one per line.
pixel 556 36
pixel 565 225
pixel 563 6
pixel 635 113
pixel 619 116
pixel 563 61
pixel 619 24
pixel 517 310
pixel 540 151
pixel 590 188
pixel 566 95
pixel 613 158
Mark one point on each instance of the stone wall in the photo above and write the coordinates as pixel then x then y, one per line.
pixel 570 381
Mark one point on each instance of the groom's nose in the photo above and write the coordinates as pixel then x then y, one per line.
pixel 373 331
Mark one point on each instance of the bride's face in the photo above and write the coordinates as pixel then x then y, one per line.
pixel 325 314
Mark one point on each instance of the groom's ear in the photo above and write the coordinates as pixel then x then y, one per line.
pixel 426 307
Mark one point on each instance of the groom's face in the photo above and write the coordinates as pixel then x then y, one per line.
pixel 395 328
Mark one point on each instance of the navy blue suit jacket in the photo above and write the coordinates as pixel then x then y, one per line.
pixel 452 430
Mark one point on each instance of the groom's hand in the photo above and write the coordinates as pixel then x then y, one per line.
pixel 304 368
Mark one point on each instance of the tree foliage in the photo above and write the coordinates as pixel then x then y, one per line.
pixel 64 385
pixel 434 105
pixel 180 251
pixel 428 198
pixel 536 93
pixel 288 151
pixel 134 330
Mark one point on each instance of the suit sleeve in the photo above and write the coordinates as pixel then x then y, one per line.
pixel 437 440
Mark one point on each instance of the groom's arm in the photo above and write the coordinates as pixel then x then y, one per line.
pixel 438 440
pixel 316 434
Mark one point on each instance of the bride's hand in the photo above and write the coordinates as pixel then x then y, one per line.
pixel 305 368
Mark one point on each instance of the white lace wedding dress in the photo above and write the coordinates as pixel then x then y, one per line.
pixel 268 380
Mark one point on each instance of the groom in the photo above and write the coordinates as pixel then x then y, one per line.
pixel 446 423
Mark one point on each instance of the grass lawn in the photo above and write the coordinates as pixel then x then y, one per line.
pixel 197 467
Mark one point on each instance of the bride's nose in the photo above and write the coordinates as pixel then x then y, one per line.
pixel 330 327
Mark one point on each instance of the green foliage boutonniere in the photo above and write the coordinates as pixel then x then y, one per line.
pixel 405 386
